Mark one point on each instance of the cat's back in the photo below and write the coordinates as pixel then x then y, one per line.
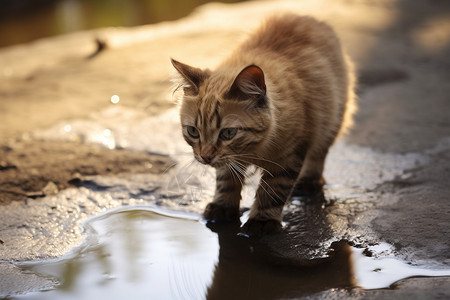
pixel 305 67
pixel 289 33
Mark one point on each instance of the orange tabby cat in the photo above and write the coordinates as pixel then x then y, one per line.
pixel 277 103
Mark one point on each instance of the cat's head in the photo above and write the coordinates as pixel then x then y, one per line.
pixel 225 115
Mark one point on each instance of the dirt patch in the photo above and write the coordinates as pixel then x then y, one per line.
pixel 34 168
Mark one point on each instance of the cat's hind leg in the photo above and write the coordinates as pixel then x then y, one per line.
pixel 310 180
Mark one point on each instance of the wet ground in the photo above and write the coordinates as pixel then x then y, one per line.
pixel 137 252
pixel 387 192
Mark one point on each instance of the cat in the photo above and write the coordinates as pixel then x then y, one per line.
pixel 278 103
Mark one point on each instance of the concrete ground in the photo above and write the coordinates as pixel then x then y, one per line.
pixel 401 49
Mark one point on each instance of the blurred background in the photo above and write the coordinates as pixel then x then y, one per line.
pixel 26 20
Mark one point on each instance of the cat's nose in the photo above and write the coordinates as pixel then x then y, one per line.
pixel 207 158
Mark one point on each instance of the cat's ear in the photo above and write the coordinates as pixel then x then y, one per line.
pixel 249 83
pixel 193 76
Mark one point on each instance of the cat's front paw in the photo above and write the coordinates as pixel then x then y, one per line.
pixel 255 227
pixel 215 212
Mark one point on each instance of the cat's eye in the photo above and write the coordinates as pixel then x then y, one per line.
pixel 227 133
pixel 193 132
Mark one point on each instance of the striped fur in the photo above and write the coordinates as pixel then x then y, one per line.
pixel 283 96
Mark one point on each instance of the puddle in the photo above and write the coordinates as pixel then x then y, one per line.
pixel 377 273
pixel 133 253
pixel 138 252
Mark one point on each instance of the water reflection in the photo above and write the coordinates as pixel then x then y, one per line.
pixel 246 270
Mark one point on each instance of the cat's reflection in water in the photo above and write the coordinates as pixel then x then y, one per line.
pixel 248 269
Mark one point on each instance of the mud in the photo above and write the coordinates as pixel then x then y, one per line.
pixel 33 169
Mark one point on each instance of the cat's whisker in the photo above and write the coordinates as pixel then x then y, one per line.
pixel 177 162
pixel 263 169
pixel 269 161
pixel 233 175
pixel 260 184
pixel 190 173
pixel 181 181
pixel 241 167
pixel 181 170
pixel 237 171
pixel 237 167
pixel 277 199
pixel 256 157
pixel 236 174
pixel 249 156
pixel 169 167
